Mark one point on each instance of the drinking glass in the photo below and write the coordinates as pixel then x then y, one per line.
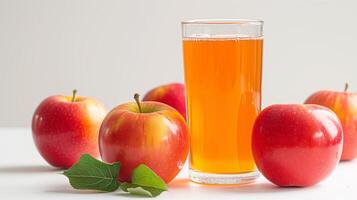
pixel 223 76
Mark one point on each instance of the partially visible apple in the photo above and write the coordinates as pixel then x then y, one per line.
pixel 150 133
pixel 344 104
pixel 65 127
pixel 172 94
pixel 296 144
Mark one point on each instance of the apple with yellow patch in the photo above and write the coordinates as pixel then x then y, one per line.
pixel 344 104
pixel 150 133
pixel 65 127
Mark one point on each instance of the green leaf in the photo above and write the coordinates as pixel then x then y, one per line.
pixel 90 173
pixel 144 182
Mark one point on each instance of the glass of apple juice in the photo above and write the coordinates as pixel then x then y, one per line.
pixel 223 78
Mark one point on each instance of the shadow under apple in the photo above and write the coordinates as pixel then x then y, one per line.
pixel 27 169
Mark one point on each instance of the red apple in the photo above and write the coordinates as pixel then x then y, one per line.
pixel 296 144
pixel 344 104
pixel 171 94
pixel 65 127
pixel 150 133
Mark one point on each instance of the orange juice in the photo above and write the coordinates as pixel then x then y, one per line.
pixel 223 88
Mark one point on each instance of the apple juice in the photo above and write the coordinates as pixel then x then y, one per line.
pixel 223 88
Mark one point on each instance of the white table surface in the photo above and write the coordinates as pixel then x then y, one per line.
pixel 24 174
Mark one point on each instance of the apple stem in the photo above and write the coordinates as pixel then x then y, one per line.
pixel 346 87
pixel 74 95
pixel 136 97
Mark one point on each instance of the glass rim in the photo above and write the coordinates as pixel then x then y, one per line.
pixel 224 21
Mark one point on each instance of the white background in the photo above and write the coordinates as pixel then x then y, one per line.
pixel 111 49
